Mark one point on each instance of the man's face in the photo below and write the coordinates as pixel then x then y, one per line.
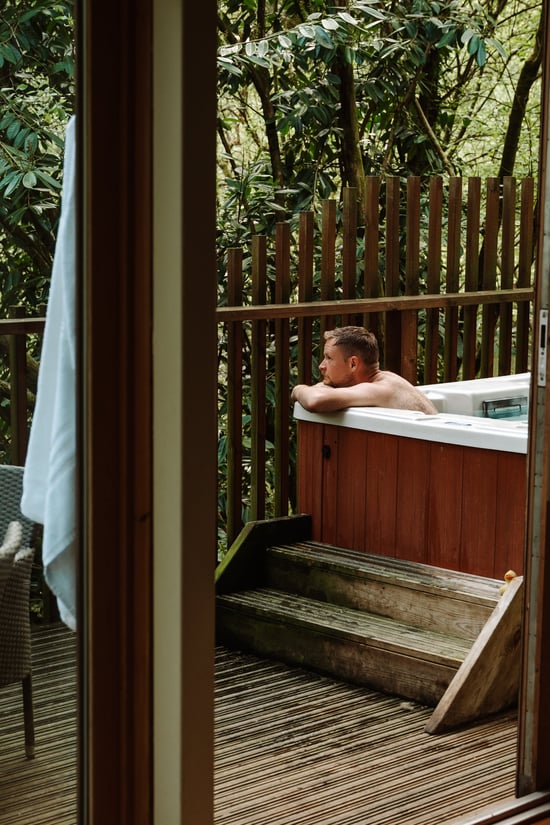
pixel 335 369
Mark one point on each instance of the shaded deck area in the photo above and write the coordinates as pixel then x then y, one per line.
pixel 291 747
pixel 298 748
pixel 42 791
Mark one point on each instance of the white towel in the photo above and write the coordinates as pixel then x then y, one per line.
pixel 49 480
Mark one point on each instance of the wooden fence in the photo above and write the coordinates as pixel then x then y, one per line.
pixel 18 380
pixel 443 273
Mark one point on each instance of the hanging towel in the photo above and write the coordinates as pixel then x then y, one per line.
pixel 49 480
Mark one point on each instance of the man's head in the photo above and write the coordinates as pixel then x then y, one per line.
pixel 349 355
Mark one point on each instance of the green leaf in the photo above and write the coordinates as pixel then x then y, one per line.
pixel 263 48
pixel 14 181
pixel 373 12
pixel 29 180
pixel 330 24
pixel 307 31
pixel 495 45
pixel 13 129
pixel 323 38
pixel 285 41
pixel 229 66
pixel 347 18
pixel 481 55
pixel 50 182
pixel 259 61
pixel 447 40
pixel 473 44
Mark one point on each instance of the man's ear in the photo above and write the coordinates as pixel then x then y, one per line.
pixel 354 361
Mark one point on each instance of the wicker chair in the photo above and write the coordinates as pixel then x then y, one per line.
pixel 16 556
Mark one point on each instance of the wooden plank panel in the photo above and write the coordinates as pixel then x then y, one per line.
pixel 525 268
pixel 511 515
pixel 433 283
pixel 310 474
pixel 305 295
pixel 349 242
pixel 351 489
pixel 472 282
pixel 282 370
pixel 416 594
pixel 257 382
pixel 445 506
pixel 328 261
pixel 453 272
pixel 507 274
pixel 372 286
pixel 409 320
pixel 234 398
pixel 392 333
pixel 489 275
pixel 380 665
pixel 488 680
pixel 329 502
pixel 479 507
pixel 413 473
pixel 381 509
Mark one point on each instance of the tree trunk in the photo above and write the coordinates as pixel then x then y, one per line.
pixel 527 77
pixel 353 172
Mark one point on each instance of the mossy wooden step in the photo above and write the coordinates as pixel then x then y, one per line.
pixel 417 594
pixel 361 647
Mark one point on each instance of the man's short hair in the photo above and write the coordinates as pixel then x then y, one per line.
pixel 355 341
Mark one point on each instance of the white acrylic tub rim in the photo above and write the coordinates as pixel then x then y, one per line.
pixel 455 424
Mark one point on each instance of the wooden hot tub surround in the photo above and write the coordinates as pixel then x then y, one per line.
pixel 453 505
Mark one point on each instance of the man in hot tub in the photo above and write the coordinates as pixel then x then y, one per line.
pixel 352 378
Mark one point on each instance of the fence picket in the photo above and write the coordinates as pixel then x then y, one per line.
pixel 258 381
pixel 489 274
pixel 471 284
pixel 433 280
pixel 234 396
pixel 328 261
pixel 452 280
pixel 305 294
pixel 391 343
pixel 525 266
pixel 282 370
pixel 508 244
pixel 372 282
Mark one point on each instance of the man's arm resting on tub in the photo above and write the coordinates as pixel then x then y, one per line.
pixel 323 397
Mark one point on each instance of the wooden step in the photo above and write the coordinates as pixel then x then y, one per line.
pixel 436 636
pixel 364 648
pixel 418 594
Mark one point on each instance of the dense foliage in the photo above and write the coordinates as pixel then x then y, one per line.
pixel 36 99
pixel 315 95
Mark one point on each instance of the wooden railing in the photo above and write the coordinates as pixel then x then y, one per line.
pixel 444 279
pixel 14 335
pixel 18 382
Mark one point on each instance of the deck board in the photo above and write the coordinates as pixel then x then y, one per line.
pixel 297 748
pixel 42 791
pixel 292 748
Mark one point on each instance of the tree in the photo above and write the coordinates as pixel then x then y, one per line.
pixel 314 96
pixel 36 99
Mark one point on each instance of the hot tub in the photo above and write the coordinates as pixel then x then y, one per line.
pixel 446 489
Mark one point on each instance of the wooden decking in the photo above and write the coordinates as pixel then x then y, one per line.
pixel 292 747
pixel 297 748
pixel 42 791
